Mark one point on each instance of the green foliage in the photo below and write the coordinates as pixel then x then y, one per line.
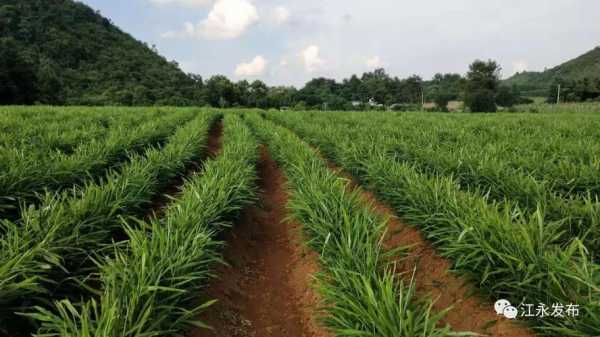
pixel 575 70
pixel 508 97
pixel 63 52
pixel 482 82
pixel 50 245
pixel 584 90
pixel 219 91
pixel 481 100
pixel 442 98
pixel 17 74
pixel 562 108
pixel 65 163
pixel 150 286
pixel 450 85
pixel 510 232
pixel 362 294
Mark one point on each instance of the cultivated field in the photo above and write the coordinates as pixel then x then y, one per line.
pixel 122 222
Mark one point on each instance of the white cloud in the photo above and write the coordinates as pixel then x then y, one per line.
pixel 312 59
pixel 374 62
pixel 519 66
pixel 189 30
pixel 228 19
pixel 185 3
pixel 281 15
pixel 255 67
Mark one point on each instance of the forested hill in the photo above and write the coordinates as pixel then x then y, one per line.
pixel 63 52
pixel 586 66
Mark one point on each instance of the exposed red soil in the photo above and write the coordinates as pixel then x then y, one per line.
pixel 265 290
pixel 213 147
pixel 214 139
pixel 433 278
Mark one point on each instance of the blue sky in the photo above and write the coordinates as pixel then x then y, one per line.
pixel 289 42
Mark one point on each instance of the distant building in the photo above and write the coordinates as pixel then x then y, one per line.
pixel 455 105
pixel 373 103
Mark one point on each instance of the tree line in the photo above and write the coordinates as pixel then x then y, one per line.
pixel 64 53
pixel 481 90
pixel 25 80
pixel 578 90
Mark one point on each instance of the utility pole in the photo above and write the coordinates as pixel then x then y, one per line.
pixel 558 95
pixel 422 98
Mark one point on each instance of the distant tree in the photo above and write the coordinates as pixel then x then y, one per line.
pixel 507 96
pixel 300 106
pixel 219 91
pixel 18 79
pixel 447 84
pixel 442 98
pixel 50 84
pixel 258 94
pixel 278 97
pixel 482 100
pixel 482 83
pixel 413 89
pixel 335 102
pixel 198 89
pixel 376 85
pixel 351 89
pixel 242 91
pixel 318 91
pixel 580 90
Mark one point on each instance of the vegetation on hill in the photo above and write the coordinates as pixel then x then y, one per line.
pixel 63 52
pixel 579 79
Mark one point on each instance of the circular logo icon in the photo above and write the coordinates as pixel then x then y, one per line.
pixel 511 312
pixel 500 305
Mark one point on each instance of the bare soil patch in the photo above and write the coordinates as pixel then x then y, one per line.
pixel 266 288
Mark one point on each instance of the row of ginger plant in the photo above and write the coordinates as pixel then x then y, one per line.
pixel 25 173
pixel 150 283
pixel 52 249
pixel 509 253
pixel 362 294
pixel 409 139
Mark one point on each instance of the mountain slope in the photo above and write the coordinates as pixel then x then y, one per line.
pixel 63 52
pixel 538 83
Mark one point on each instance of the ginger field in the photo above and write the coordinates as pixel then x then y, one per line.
pixel 123 222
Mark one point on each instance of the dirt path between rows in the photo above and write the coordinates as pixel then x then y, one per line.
pixel 213 147
pixel 432 275
pixel 266 289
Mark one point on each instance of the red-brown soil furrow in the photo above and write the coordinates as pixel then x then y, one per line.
pixel 214 139
pixel 432 276
pixel 265 290
pixel 213 147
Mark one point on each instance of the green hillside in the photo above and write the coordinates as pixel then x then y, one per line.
pixel 539 83
pixel 64 52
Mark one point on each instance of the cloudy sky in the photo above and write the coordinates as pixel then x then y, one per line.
pixel 290 42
